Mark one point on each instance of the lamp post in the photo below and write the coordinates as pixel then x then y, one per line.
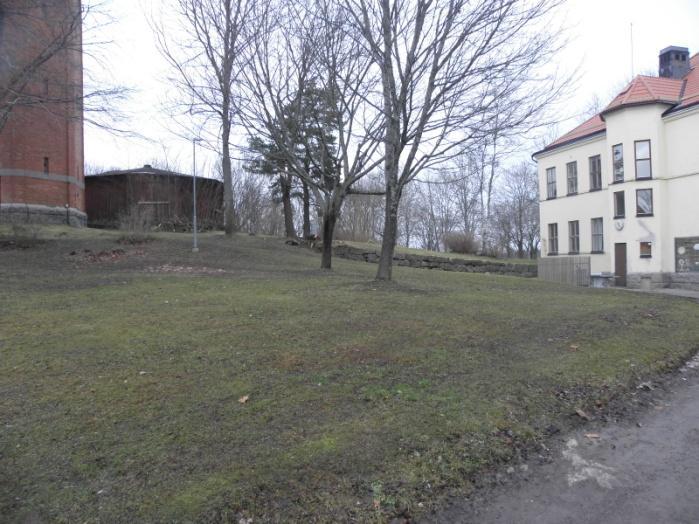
pixel 195 246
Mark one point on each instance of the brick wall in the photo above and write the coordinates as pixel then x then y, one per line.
pixel 41 146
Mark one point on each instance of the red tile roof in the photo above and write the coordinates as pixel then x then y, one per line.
pixel 587 128
pixel 690 95
pixel 678 93
pixel 647 89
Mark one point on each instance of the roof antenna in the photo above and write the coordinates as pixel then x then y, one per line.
pixel 632 72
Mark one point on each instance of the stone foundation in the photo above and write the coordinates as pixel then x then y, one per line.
pixel 443 263
pixel 684 280
pixel 648 281
pixel 36 214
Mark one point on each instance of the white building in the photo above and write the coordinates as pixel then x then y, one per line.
pixel 623 187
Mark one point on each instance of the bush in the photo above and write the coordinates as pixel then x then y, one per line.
pixel 22 236
pixel 136 224
pixel 460 242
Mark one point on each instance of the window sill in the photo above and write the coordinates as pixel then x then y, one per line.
pixel 573 252
pixel 571 194
pixel 618 181
pixel 597 252
pixel 644 215
pixel 619 217
pixel 552 254
pixel 595 189
pixel 647 178
pixel 646 256
pixel 551 198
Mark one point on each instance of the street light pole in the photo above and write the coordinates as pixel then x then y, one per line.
pixel 195 247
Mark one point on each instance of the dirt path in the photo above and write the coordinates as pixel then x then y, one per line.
pixel 642 471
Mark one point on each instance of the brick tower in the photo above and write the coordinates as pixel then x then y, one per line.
pixel 41 136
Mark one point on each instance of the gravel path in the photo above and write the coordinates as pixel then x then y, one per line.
pixel 642 471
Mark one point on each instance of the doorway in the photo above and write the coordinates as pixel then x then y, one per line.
pixel 620 265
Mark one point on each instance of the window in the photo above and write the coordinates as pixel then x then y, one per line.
pixel 551 182
pixel 618 162
pixel 646 249
pixel 619 205
pixel 597 235
pixel 643 168
pixel 553 239
pixel 595 173
pixel 644 202
pixel 573 237
pixel 46 165
pixel 572 170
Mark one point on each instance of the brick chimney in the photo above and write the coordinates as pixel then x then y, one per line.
pixel 673 62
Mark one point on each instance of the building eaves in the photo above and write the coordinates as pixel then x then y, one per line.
pixel 558 145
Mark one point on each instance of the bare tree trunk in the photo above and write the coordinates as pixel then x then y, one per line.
pixel 306 210
pixel 285 182
pixel 331 214
pixel 390 233
pixel 228 210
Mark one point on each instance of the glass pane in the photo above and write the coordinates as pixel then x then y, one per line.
pixel 642 149
pixel 643 169
pixel 618 152
pixel 644 205
pixel 619 208
pixel 596 223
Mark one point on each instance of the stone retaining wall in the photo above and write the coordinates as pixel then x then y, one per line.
pixel 443 263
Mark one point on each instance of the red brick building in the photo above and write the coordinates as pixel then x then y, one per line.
pixel 41 142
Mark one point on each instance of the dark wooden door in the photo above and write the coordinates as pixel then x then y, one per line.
pixel 620 265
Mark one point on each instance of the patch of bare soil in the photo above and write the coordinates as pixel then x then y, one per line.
pixel 107 255
pixel 185 270
pixel 20 243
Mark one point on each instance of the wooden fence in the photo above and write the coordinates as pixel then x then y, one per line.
pixel 572 270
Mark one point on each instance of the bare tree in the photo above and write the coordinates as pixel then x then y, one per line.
pixel 37 37
pixel 467 192
pixel 516 221
pixel 451 72
pixel 408 216
pixel 206 54
pixel 362 211
pixel 437 210
pixel 301 46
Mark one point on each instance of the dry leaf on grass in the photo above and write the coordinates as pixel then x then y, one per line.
pixel 582 414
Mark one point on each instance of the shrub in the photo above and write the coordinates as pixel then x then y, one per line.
pixel 22 236
pixel 461 242
pixel 136 223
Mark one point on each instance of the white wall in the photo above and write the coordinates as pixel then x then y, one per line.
pixel 582 207
pixel 675 184
pixel 682 189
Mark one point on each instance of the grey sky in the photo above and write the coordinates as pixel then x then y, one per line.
pixel 599 33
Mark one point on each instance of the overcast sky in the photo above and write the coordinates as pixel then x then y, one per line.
pixel 600 44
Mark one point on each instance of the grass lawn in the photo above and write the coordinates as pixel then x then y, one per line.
pixel 148 383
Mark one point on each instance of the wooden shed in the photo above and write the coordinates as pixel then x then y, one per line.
pixel 153 197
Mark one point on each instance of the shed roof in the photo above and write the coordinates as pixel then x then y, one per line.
pixel 148 170
pixel 145 170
